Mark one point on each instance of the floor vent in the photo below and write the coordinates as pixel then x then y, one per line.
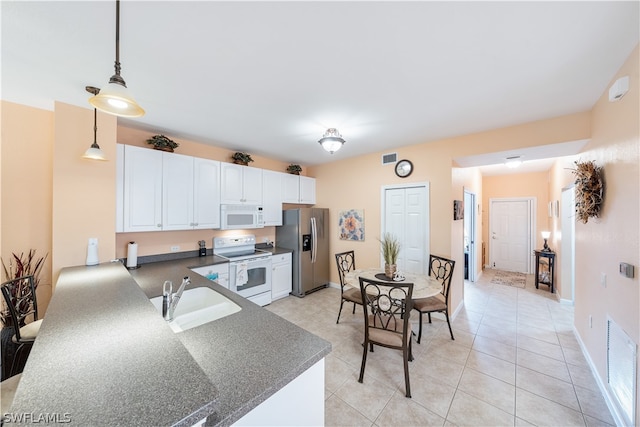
pixel 621 369
pixel 389 158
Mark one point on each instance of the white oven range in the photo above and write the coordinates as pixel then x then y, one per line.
pixel 249 268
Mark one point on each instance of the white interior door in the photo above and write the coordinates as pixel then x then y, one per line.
pixel 405 214
pixel 511 234
pixel 568 256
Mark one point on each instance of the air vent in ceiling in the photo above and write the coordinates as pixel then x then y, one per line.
pixel 389 158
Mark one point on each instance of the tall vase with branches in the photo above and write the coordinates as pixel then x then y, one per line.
pixel 390 248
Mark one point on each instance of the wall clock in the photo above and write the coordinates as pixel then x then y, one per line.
pixel 404 168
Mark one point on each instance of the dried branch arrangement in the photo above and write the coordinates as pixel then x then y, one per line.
pixel 589 190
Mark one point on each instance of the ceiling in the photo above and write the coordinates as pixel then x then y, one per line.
pixel 270 77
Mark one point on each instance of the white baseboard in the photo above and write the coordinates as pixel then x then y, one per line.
pixel 613 408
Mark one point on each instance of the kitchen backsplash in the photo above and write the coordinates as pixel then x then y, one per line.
pixel 166 242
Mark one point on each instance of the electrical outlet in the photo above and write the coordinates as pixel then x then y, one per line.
pixel 175 248
pixel 590 321
pixel 603 279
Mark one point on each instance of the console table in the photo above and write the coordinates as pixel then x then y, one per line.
pixel 545 268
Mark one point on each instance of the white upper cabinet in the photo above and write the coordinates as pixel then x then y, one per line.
pixel 168 191
pixel 206 193
pixel 307 190
pixel 177 191
pixel 298 189
pixel 290 188
pixel 240 184
pixel 142 203
pixel 272 197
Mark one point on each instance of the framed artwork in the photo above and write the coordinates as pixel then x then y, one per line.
pixel 351 224
pixel 458 210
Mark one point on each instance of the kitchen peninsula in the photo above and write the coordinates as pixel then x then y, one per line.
pixel 105 356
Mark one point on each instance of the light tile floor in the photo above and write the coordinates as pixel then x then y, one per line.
pixel 514 362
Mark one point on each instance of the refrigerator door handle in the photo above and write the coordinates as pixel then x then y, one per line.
pixel 314 240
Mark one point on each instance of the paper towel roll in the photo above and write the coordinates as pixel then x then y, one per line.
pixel 132 255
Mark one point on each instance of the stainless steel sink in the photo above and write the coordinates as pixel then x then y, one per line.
pixel 198 306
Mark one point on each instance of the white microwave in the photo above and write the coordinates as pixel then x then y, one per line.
pixel 239 217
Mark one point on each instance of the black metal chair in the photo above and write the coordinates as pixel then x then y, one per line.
pixel 346 262
pixel 442 269
pixel 387 307
pixel 20 298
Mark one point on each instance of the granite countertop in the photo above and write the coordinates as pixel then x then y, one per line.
pixel 106 357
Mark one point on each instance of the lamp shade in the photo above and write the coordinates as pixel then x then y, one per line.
pixel 546 234
pixel 94 153
pixel 331 141
pixel 114 98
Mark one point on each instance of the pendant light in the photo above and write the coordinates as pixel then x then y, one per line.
pixel 114 98
pixel 94 152
pixel 331 141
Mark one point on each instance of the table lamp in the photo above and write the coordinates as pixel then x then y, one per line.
pixel 545 236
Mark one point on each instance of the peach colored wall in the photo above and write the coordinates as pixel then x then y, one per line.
pixel 604 242
pixel 83 190
pixel 26 190
pixel 151 243
pixel 535 185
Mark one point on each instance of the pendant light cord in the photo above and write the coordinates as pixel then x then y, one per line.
pixel 116 78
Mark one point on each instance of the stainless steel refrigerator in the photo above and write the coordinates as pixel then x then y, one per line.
pixel 306 232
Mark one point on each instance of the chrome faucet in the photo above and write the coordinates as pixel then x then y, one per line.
pixel 170 301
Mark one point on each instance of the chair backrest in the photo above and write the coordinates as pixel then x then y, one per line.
pixel 386 305
pixel 346 262
pixel 20 297
pixel 442 269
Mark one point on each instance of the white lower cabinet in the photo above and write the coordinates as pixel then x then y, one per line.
pixel 299 403
pixel 281 277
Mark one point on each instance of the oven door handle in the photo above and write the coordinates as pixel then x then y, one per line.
pixel 314 240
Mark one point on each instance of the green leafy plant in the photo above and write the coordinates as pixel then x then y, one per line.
pixel 390 248
pixel 241 158
pixel 21 265
pixel 294 169
pixel 162 142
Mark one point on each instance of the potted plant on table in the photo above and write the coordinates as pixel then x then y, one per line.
pixel 390 247
pixel 161 142
pixel 241 158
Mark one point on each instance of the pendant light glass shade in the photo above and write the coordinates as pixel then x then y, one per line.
pixel 94 153
pixel 114 98
pixel 331 141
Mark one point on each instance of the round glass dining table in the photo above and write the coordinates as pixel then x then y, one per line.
pixel 423 286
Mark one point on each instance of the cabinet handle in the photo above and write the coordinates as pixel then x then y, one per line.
pixel 159 225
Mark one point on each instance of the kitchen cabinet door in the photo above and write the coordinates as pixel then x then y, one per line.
pixel 142 204
pixel 272 197
pixel 177 190
pixel 307 190
pixel 281 276
pixel 206 194
pixel 241 184
pixel 290 188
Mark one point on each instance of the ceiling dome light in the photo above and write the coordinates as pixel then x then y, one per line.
pixel 114 98
pixel 513 162
pixel 94 152
pixel 331 141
